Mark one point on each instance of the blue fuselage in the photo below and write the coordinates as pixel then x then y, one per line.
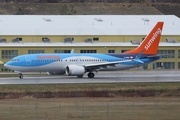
pixel 58 62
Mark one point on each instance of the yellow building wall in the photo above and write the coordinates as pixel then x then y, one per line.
pixel 22 50
pixel 104 49
pixel 105 38
pixel 175 37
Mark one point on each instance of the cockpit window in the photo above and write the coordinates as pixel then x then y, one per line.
pixel 15 60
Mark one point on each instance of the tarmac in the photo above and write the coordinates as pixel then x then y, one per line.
pixel 100 77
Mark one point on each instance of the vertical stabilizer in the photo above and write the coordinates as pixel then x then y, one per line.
pixel 150 43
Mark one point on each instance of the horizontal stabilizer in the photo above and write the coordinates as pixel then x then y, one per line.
pixel 138 60
pixel 155 56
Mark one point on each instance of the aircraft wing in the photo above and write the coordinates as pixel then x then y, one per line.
pixel 104 65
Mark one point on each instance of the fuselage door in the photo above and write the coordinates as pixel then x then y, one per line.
pixel 28 60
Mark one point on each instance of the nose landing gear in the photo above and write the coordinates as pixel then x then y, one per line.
pixel 20 75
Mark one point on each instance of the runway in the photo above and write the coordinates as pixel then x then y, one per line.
pixel 101 77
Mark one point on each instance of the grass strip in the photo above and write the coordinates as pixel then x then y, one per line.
pixel 91 90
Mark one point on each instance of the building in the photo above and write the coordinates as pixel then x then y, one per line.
pixel 26 34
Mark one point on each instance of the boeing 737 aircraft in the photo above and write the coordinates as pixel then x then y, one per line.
pixel 77 64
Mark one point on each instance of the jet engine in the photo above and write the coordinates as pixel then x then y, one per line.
pixel 75 70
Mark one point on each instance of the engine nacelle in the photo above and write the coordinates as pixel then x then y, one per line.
pixel 56 73
pixel 75 70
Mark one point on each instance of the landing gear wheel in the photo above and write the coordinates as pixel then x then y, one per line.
pixel 90 75
pixel 20 75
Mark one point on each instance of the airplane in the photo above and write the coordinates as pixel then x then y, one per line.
pixel 77 64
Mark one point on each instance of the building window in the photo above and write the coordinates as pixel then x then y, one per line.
pixel 68 40
pixel 167 53
pixel 95 39
pixel 16 40
pixel 124 51
pixel 20 39
pixel 9 54
pixel 111 51
pixel 178 65
pixel 87 51
pixel 46 40
pixel 62 51
pixel 178 53
pixel 164 65
pixel 3 40
pixel 35 51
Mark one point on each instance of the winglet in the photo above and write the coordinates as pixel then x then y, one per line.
pixel 72 51
pixel 150 43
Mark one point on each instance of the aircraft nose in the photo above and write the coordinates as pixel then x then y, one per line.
pixel 6 65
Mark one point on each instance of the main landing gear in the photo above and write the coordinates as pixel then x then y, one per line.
pixel 20 75
pixel 90 75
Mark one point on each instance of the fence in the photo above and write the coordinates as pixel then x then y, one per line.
pixel 104 111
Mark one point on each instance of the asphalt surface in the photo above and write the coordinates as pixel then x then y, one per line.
pixel 101 77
